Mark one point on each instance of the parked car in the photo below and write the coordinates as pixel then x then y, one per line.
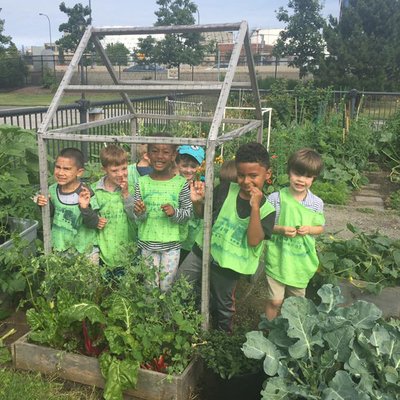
pixel 145 68
pixel 218 66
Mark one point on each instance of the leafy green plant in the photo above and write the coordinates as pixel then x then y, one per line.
pixel 19 172
pixel 389 144
pixel 394 200
pixel 222 354
pixel 373 258
pixel 327 351
pixel 121 316
pixel 331 193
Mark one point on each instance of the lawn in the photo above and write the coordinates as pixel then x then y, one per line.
pixel 17 385
pixel 36 97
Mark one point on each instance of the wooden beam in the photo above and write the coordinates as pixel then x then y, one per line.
pixel 238 132
pixel 125 139
pixel 94 124
pixel 194 87
pixel 149 30
pixel 171 82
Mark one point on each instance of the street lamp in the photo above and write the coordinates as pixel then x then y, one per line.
pixel 48 19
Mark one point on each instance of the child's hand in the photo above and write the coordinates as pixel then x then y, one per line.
pixel 102 223
pixel 168 210
pixel 197 191
pixel 84 197
pixel 139 208
pixel 256 196
pixel 304 230
pixel 41 200
pixel 124 187
pixel 289 231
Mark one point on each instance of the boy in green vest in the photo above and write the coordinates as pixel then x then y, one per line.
pixel 291 258
pixel 242 219
pixel 72 206
pixel 160 204
pixel 188 162
pixel 114 226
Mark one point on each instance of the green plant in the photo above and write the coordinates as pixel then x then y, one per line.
pixel 394 200
pixel 327 351
pixel 372 258
pixel 19 172
pixel 49 80
pixel 119 316
pixel 222 354
pixel 331 192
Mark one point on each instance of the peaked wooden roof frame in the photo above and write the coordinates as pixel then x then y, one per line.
pixel 124 87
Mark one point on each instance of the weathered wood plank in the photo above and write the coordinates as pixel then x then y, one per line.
pixel 82 369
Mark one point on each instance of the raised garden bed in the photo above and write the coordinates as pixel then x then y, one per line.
pixel 26 228
pixel 83 369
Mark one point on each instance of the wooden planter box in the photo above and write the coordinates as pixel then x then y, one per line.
pixel 388 300
pixel 79 368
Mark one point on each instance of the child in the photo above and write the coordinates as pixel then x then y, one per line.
pixel 72 206
pixel 188 162
pixel 142 167
pixel 111 191
pixel 242 219
pixel 161 203
pixel 291 258
pixel 228 172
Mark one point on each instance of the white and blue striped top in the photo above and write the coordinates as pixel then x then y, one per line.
pixel 311 201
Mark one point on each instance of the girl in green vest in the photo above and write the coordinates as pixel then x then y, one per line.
pixel 291 258
pixel 161 203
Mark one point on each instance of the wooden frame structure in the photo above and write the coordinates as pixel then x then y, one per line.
pixel 135 86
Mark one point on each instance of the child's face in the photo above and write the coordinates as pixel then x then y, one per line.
pixel 250 175
pixel 299 184
pixel 188 169
pixel 162 156
pixel 66 172
pixel 116 174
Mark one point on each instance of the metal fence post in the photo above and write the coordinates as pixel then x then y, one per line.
pixel 84 106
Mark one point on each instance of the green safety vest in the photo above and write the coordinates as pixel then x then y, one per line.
pixel 293 261
pixel 133 177
pixel 67 230
pixel 229 247
pixel 118 231
pixel 158 227
pixel 189 231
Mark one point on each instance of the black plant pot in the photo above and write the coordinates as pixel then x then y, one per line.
pixel 239 387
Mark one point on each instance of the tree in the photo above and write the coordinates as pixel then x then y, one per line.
pixel 78 20
pixel 302 37
pixel 117 53
pixel 363 46
pixel 13 69
pixel 175 49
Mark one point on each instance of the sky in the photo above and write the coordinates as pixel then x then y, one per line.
pixel 27 28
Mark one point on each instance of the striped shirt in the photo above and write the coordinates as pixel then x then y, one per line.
pixel 311 201
pixel 183 213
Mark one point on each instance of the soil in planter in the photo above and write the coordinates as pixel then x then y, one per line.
pixel 241 387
